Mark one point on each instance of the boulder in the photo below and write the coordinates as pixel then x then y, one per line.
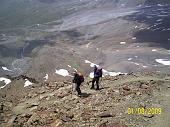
pixel 144 86
pixel 126 88
pixel 32 119
pixel 34 104
pixel 105 114
pixel 71 116
pixel 126 93
pixel 148 115
pixel 57 123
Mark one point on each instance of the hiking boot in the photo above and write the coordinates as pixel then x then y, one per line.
pixel 79 95
pixel 97 88
pixel 92 88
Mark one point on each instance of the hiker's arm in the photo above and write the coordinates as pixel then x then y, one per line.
pixel 74 80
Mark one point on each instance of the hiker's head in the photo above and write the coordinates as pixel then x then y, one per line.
pixel 74 72
pixel 95 66
pixel 99 67
pixel 80 74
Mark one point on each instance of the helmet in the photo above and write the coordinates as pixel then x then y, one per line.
pixel 95 66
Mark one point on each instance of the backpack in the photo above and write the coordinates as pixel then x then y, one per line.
pixel 99 71
pixel 81 77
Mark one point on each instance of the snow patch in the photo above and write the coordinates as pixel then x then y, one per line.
pixel 88 44
pixel 136 64
pixel 130 59
pixel 147 6
pixel 91 75
pixel 159 20
pixel 86 61
pixel 134 38
pixel 123 5
pixel 5 80
pixel 163 61
pixel 160 5
pixel 114 73
pixel 62 72
pixel 122 43
pixel 46 77
pixel 74 69
pixel 162 15
pixel 105 72
pixel 139 5
pixel 91 64
pixel 27 83
pixel 69 66
pixel 6 69
pixel 154 50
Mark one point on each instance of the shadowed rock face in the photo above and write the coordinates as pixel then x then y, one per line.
pixel 152 2
pixel 157 19
pixel 5 51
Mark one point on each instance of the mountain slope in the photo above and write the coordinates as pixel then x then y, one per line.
pixel 55 104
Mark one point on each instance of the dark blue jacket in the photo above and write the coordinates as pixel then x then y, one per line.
pixel 97 72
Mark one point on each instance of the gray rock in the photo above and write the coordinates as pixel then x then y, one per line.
pixel 148 115
pixel 126 88
pixel 105 114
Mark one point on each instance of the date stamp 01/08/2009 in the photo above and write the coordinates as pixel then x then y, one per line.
pixel 144 111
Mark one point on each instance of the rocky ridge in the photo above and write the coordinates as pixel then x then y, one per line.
pixel 56 105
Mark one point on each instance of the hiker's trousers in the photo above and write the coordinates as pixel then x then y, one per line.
pixel 96 79
pixel 78 88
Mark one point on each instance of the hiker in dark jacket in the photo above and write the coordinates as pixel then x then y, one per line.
pixel 97 74
pixel 78 79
